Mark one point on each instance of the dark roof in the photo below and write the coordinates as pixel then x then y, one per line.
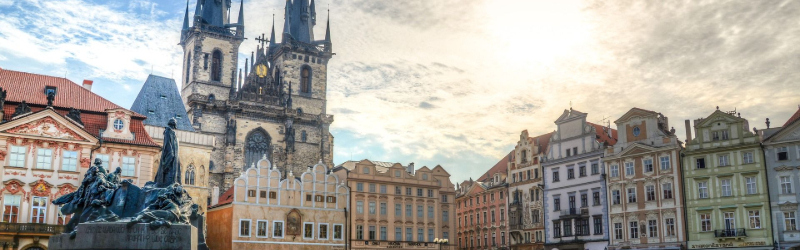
pixel 794 117
pixel 602 136
pixel 171 105
pixel 499 167
pixel 225 198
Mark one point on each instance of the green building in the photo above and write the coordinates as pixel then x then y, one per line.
pixel 727 199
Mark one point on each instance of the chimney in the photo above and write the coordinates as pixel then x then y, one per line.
pixel 410 169
pixel 87 84
pixel 688 132
pixel 214 194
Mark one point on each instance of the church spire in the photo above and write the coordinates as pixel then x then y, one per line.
pixel 198 12
pixel 328 44
pixel 185 28
pixel 287 19
pixel 240 22
pixel 272 35
pixel 313 13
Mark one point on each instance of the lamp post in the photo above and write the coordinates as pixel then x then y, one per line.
pixel 440 242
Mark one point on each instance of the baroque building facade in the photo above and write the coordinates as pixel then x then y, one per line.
pixel 645 184
pixel 526 225
pixel 782 156
pixel 576 213
pixel 395 206
pixel 51 129
pixel 482 207
pixel 727 199
pixel 275 108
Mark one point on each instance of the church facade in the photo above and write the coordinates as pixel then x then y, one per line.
pixel 275 108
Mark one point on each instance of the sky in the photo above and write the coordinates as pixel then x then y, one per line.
pixel 454 82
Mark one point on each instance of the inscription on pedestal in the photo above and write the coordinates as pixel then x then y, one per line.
pixel 101 236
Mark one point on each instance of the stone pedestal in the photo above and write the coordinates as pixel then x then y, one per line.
pixel 108 236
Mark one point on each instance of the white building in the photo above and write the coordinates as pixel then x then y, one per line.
pixel 576 213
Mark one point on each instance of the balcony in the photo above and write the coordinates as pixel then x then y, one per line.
pixel 30 228
pixel 730 233
pixel 574 212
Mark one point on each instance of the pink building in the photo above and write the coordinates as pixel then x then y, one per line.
pixel 481 209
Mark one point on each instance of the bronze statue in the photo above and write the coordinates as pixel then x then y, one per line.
pixel 169 169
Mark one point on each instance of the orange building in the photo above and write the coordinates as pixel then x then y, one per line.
pixel 482 207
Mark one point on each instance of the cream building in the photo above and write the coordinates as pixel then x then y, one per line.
pixel 526 192
pixel 394 206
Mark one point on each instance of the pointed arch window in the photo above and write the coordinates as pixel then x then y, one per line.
pixel 216 65
pixel 303 136
pixel 305 79
pixel 188 67
pixel 189 175
pixel 257 146
pixel 277 76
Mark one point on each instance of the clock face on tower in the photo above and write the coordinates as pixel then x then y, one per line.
pixel 261 70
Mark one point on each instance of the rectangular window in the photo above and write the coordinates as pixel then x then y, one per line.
pixel 670 224
pixel 755 218
pixel 398 210
pixel 420 234
pixel 705 222
pixel 17 157
pixel 634 228
pixel 556 229
pixel 783 153
pixel 398 234
pixel 322 232
pixel 615 197
pixel 430 234
pixel 383 208
pixel 383 233
pixel 444 198
pixel 360 207
pixel 614 171
pixel 652 228
pixel 261 228
pixel 648 165
pixel 701 163
pixel 308 230
pixel 69 161
pixel 584 200
pixel 128 166
pixel 582 171
pixel 359 232
pixel 723 160
pixel 44 158
pixel 650 193
pixel 244 228
pixel 419 192
pixel 786 185
pixel 556 204
pixel 409 234
pixel 790 223
pixel 567 227
pixel 747 157
pixel 632 195
pixel 629 170
pixel 665 163
pixel 555 176
pixel 715 135
pixel 596 198
pixel 372 187
pixel 570 173
pixel 360 187
pixel 398 190
pixel 595 168
pixel 419 211
pixel 446 216
pixel 598 226
pixel 724 134
pixel 38 209
pixel 397 173
pixel 502 215
pixel 666 188
pixel 371 207
pixel 408 211
pixel 726 187
pixel 618 231
pixel 430 193
pixel 702 189
pixel 337 232
pixel 383 189
pixel 751 185
pixel 371 232
pixel 430 212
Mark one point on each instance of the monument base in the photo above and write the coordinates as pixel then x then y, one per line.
pixel 118 236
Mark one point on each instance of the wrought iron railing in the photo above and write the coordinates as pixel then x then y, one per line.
pixel 6 227
pixel 575 211
pixel 738 232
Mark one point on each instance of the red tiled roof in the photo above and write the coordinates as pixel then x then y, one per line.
pixel 21 86
pixel 794 118
pixel 602 136
pixel 225 198
pixel 501 166
pixel 544 140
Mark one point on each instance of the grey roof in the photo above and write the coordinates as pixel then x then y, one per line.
pixel 380 166
pixel 159 100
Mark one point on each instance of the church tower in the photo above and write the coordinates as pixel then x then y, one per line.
pixel 274 108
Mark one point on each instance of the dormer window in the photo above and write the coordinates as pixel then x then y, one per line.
pixel 424 177
pixel 151 111
pixel 49 89
pixel 119 124
pixel 177 116
pixel 636 131
pixel 163 96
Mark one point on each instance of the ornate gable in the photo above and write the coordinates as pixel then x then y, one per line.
pixel 789 133
pixel 718 116
pixel 48 124
pixel 635 112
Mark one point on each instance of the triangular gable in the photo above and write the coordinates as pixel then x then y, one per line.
pixel 718 116
pixel 635 112
pixel 476 188
pixel 787 133
pixel 48 124
pixel 569 114
pixel 439 170
pixel 636 148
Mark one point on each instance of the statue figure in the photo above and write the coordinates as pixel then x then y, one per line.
pixel 230 136
pixel 89 202
pixel 50 97
pixel 171 206
pixel 169 169
pixel 289 135
pixel 289 98
pixel 75 115
pixel 22 108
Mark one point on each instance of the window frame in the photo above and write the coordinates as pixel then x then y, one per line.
pixel 266 228
pixel 44 159
pixel 68 161
pixel 249 225
pixel 341 232
pixel 15 157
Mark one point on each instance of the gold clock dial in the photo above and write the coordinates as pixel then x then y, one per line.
pixel 261 70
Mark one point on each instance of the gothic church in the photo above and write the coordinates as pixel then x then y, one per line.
pixel 275 108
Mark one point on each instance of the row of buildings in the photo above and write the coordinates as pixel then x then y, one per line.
pixel 589 186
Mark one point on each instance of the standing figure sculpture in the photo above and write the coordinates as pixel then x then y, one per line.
pixel 169 171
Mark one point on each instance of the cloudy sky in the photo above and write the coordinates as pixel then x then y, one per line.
pixel 454 82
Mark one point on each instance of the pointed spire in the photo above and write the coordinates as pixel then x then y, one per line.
pixel 246 63
pixel 328 28
pixel 198 12
pixel 239 86
pixel 240 22
pixel 272 35
pixel 252 60
pixel 313 13
pixel 186 17
pixel 286 20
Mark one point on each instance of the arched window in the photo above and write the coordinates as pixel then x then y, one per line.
pixel 189 176
pixel 216 66
pixel 277 75
pixel 188 67
pixel 305 80
pixel 256 146
pixel 303 136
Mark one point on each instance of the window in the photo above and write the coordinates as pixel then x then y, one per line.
pixel 61 218
pixel 567 227
pixel 408 211
pixel 570 173
pixel 366 170
pixel 670 227
pixel 501 195
pixel 322 231
pixel 38 209
pixel 702 189
pixel 129 167
pixel 701 163
pixel 189 178
pixel 492 215
pixel 430 234
pixel 584 200
pixel 596 198
pixel 383 189
pixel 261 228
pixel 725 134
pixel 652 228
pixel 665 163
pixel 581 227
pixel 44 158
pixel 648 165
pixel 618 231
pixel 502 238
pixel 371 232
pixel 615 197
pixel 726 187
pixel 360 207
pixel 494 241
pixel 420 234
pixel 629 171
pixel 755 218
pixel 430 212
pixel 397 173
pixel 535 216
pixel 598 225
pixel 715 136
pixel 555 176
pixel 424 177
pixel 446 216
pixel 556 204
pixel 337 232
pixel 305 81
pixel 244 228
pixel 398 234
pixel 398 210
pixel 556 229
pixel 216 66
pixel 723 160
pixel 308 230
pixel 419 211
pixel 398 190
pixel 790 223
pixel 409 234
pixel 634 228
pixel 575 151
pixel 751 185
pixel 595 168
pixel 569 153
pixel 383 208
pixel 69 161
pixel 631 195
pixel 783 153
pixel 360 187
pixel 430 193
pixel 118 124
pixel 581 171
pixel 705 222
pixel 747 157
pixel 667 190
pixel 17 157
pixel 359 232
pixel 371 207
pixel 614 171
pixel 502 214
pixel 786 185
pixel 419 192
pixel 636 131
pixel 372 187
pixel 650 193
